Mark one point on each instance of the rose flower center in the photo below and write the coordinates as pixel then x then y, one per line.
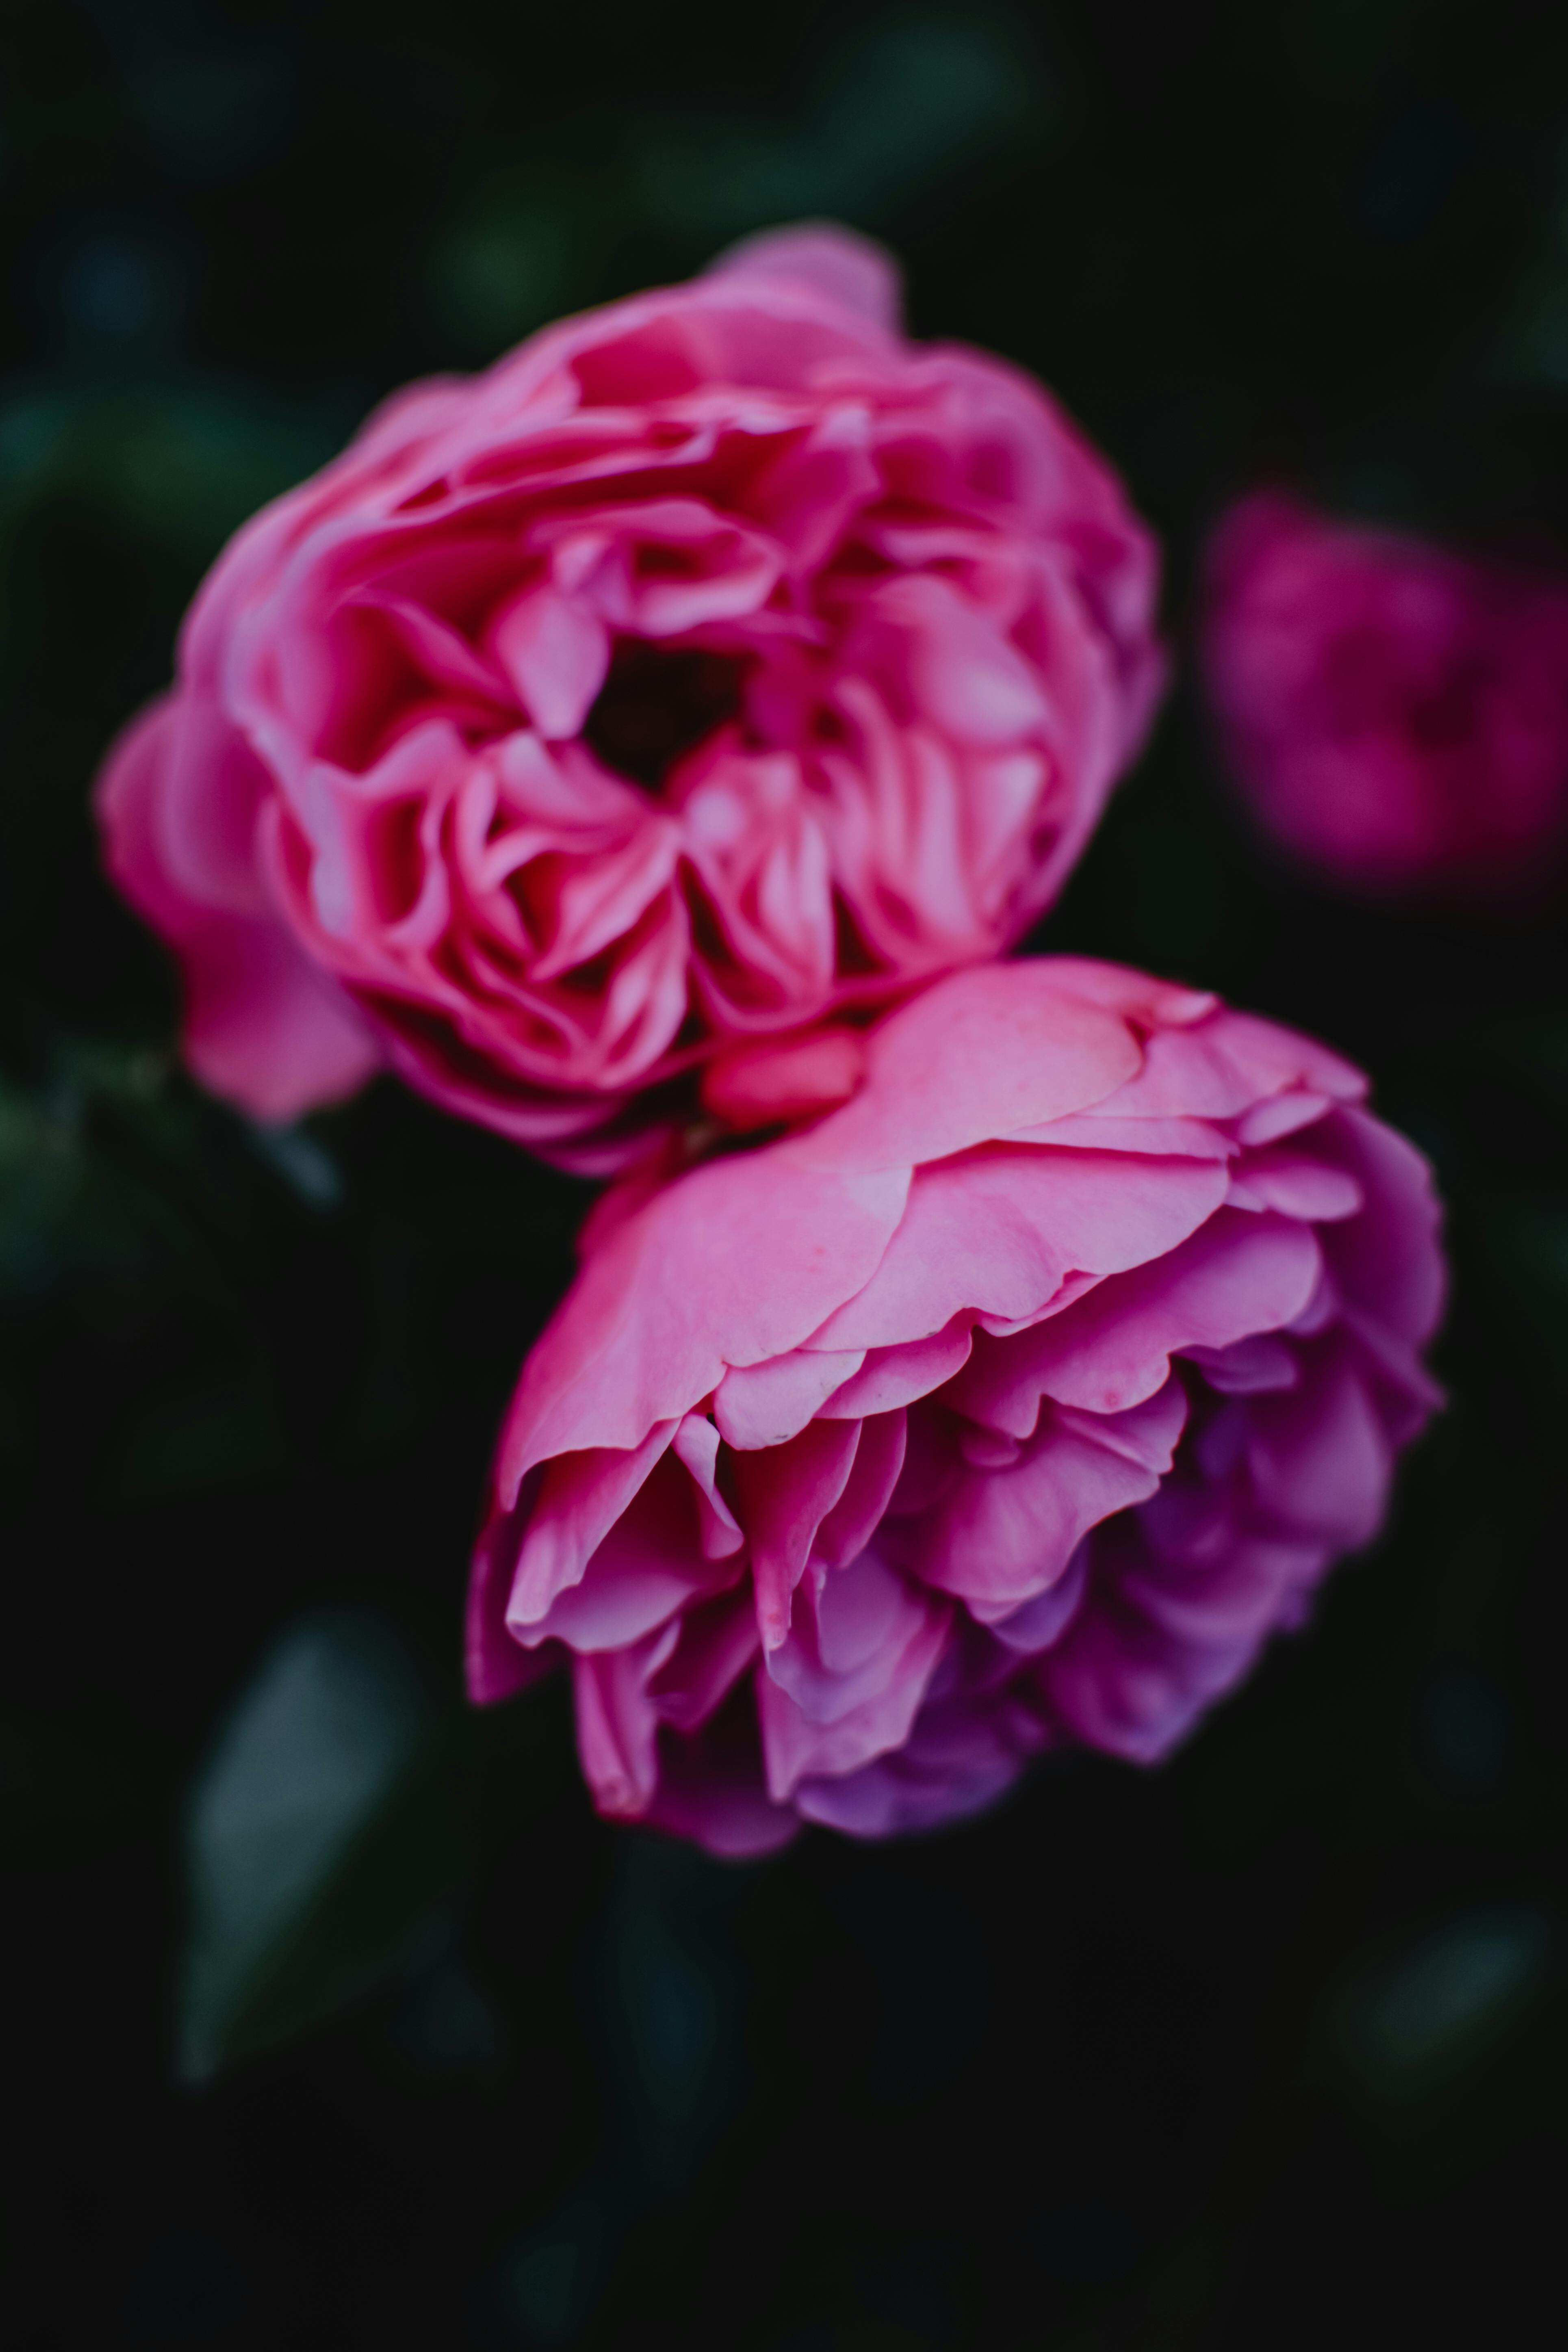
pixel 659 703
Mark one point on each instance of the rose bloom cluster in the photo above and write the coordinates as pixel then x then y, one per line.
pixel 717 660
pixel 658 740
pixel 1012 1405
pixel 1395 715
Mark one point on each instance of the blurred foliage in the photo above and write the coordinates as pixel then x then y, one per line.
pixel 330 1822
pixel 1207 2058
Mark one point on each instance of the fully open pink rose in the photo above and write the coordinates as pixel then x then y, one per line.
pixel 717 659
pixel 1395 715
pixel 1012 1406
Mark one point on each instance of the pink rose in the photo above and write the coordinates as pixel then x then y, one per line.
pixel 717 660
pixel 1397 715
pixel 1012 1406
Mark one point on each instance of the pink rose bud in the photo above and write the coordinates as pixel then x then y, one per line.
pixel 1395 715
pixel 718 663
pixel 1012 1406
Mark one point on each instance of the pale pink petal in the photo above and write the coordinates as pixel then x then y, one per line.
pixel 1238 1274
pixel 710 1788
pixel 696 1442
pixel 1384 1260
pixel 736 1264
pixel 765 1404
pixel 795 1743
pixel 964 674
pixel 848 1527
pixel 579 1499
pixel 847 271
pixel 1319 1459
pixel 717 1641
pixel 785 1495
pixel 556 651
pixel 892 1377
pixel 617 1726
pixel 1294 1184
pixel 1001 1536
pixel 1038 1625
pixel 976 1058
pixel 264 1025
pixel 999 1233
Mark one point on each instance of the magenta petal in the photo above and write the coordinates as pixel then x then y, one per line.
pixel 1097 1130
pixel 264 1025
pixel 785 1495
pixel 1037 1625
pixel 695 1442
pixel 766 1404
pixel 1385 1260
pixel 1294 1184
pixel 263 1029
pixel 1001 1536
pixel 1329 645
pixel 557 652
pixel 1229 1066
pixel 874 1473
pixel 1281 1115
pixel 939 1775
pixel 495 1665
pixel 893 1377
pixel 208 795
pixel 1240 1274
pixel 579 1499
pixel 1248 1367
pixel 852 1626
pixel 998 1233
pixel 975 1058
pixel 650 1566
pixel 964 672
pixel 795 1744
pixel 1320 1458
pixel 733 1265
pixel 1130 1677
pixel 710 1787
pixel 758 1084
pixel 1122 1687
pixel 717 1641
pixel 441 651
pixel 617 1727
pixel 1228 1607
pixel 847 271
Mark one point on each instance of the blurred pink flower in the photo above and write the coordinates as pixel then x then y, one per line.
pixel 1395 715
pixel 1012 1406
pixel 716 660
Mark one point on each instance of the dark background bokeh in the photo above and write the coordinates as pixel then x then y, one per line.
pixel 329 2010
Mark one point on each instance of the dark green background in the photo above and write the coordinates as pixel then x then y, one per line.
pixel 1267 2049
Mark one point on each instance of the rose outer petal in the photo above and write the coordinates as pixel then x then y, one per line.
pixel 264 1025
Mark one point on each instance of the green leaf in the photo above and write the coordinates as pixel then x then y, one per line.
pixel 331 1824
pixel 897 112
pixel 186 456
